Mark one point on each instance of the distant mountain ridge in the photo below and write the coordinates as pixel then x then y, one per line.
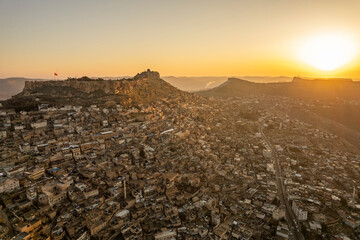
pixel 193 84
pixel 303 88
pixel 11 86
pixel 303 79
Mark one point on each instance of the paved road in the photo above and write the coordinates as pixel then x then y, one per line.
pixel 290 216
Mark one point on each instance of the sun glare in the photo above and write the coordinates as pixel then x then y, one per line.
pixel 327 52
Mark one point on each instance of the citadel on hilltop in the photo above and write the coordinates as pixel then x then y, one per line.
pixel 147 75
pixel 89 85
pixel 143 88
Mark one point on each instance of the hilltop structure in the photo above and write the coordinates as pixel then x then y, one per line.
pixel 145 87
pixel 89 85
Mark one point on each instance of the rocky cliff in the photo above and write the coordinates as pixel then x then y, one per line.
pixel 107 86
pixel 145 87
pixel 87 85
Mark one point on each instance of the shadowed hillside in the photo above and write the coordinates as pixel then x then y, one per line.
pixel 306 89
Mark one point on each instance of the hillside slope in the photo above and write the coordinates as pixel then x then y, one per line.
pixel 332 104
pixel 306 89
pixel 143 88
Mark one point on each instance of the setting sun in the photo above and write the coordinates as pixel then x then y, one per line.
pixel 327 52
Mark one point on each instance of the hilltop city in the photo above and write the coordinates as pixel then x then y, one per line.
pixel 140 159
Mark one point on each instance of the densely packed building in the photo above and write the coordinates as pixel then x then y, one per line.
pixel 182 168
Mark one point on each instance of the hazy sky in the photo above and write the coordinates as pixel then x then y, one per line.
pixel 174 37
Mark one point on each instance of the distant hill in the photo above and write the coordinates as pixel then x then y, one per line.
pixel 192 84
pixel 266 79
pixel 143 88
pixel 11 86
pixel 303 88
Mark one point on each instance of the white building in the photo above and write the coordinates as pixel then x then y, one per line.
pixel 39 124
pixel 279 148
pixel 301 214
pixel 18 128
pixel 270 167
pixel 267 153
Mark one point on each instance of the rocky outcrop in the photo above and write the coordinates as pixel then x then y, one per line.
pixel 144 88
pixel 107 86
pixel 88 85
pixel 147 75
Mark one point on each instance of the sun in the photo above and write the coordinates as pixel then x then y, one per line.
pixel 327 52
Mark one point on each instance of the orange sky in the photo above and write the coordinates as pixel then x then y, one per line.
pixel 181 38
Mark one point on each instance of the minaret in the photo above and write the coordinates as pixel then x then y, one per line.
pixel 355 193
pixel 125 190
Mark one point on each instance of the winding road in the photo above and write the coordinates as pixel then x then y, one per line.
pixel 290 216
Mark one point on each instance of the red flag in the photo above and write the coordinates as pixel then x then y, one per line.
pixel 55 74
